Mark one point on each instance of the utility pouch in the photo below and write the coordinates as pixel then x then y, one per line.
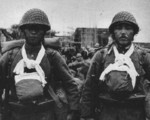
pixel 28 86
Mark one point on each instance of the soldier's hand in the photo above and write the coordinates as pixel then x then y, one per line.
pixel 69 117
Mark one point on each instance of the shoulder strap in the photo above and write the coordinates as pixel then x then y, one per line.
pixel 141 52
pixel 8 75
pixel 50 54
pixel 104 54
pixel 95 74
pixel 11 55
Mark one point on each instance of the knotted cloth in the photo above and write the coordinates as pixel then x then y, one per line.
pixel 122 62
pixel 30 64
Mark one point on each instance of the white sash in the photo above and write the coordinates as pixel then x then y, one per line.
pixel 25 62
pixel 122 62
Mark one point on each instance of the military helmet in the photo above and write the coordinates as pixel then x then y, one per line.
pixel 124 17
pixel 35 16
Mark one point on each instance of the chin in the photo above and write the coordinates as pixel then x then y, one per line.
pixel 124 42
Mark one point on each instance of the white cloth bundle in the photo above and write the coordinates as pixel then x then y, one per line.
pixel 122 62
pixel 25 62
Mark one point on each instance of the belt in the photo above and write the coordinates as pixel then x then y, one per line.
pixel 32 107
pixel 132 98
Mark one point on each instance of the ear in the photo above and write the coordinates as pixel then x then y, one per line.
pixel 113 36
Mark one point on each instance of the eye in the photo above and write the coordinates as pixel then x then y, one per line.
pixel 128 27
pixel 34 27
pixel 118 27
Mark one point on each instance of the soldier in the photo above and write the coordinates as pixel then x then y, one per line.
pixel 29 76
pixel 117 80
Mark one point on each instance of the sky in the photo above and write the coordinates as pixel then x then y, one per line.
pixel 67 15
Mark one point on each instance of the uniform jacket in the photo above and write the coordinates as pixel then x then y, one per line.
pixel 93 87
pixel 53 60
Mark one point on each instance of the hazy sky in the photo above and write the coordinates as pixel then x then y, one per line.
pixel 66 15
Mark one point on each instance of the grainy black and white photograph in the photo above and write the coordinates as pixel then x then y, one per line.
pixel 74 60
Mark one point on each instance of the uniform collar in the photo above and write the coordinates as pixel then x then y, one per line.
pixel 110 48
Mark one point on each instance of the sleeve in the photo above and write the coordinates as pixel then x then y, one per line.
pixel 90 89
pixel 3 70
pixel 3 74
pixel 147 65
pixel 61 71
pixel 147 72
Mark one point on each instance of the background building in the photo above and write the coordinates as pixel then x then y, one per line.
pixel 91 36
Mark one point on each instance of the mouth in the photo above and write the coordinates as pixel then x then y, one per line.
pixel 123 38
pixel 33 38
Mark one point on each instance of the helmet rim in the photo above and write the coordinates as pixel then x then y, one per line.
pixel 135 26
pixel 124 17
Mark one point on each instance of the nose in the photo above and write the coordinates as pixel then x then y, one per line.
pixel 123 30
pixel 33 31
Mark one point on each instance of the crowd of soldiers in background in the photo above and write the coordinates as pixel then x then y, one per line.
pixel 78 61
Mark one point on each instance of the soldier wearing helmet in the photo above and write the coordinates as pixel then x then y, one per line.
pixel 125 36
pixel 29 75
pixel 117 80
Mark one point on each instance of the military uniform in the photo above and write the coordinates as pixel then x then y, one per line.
pixel 96 90
pixel 58 66
pixel 42 107
pixel 106 100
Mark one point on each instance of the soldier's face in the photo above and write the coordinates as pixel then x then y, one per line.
pixel 79 59
pixel 123 34
pixel 34 34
